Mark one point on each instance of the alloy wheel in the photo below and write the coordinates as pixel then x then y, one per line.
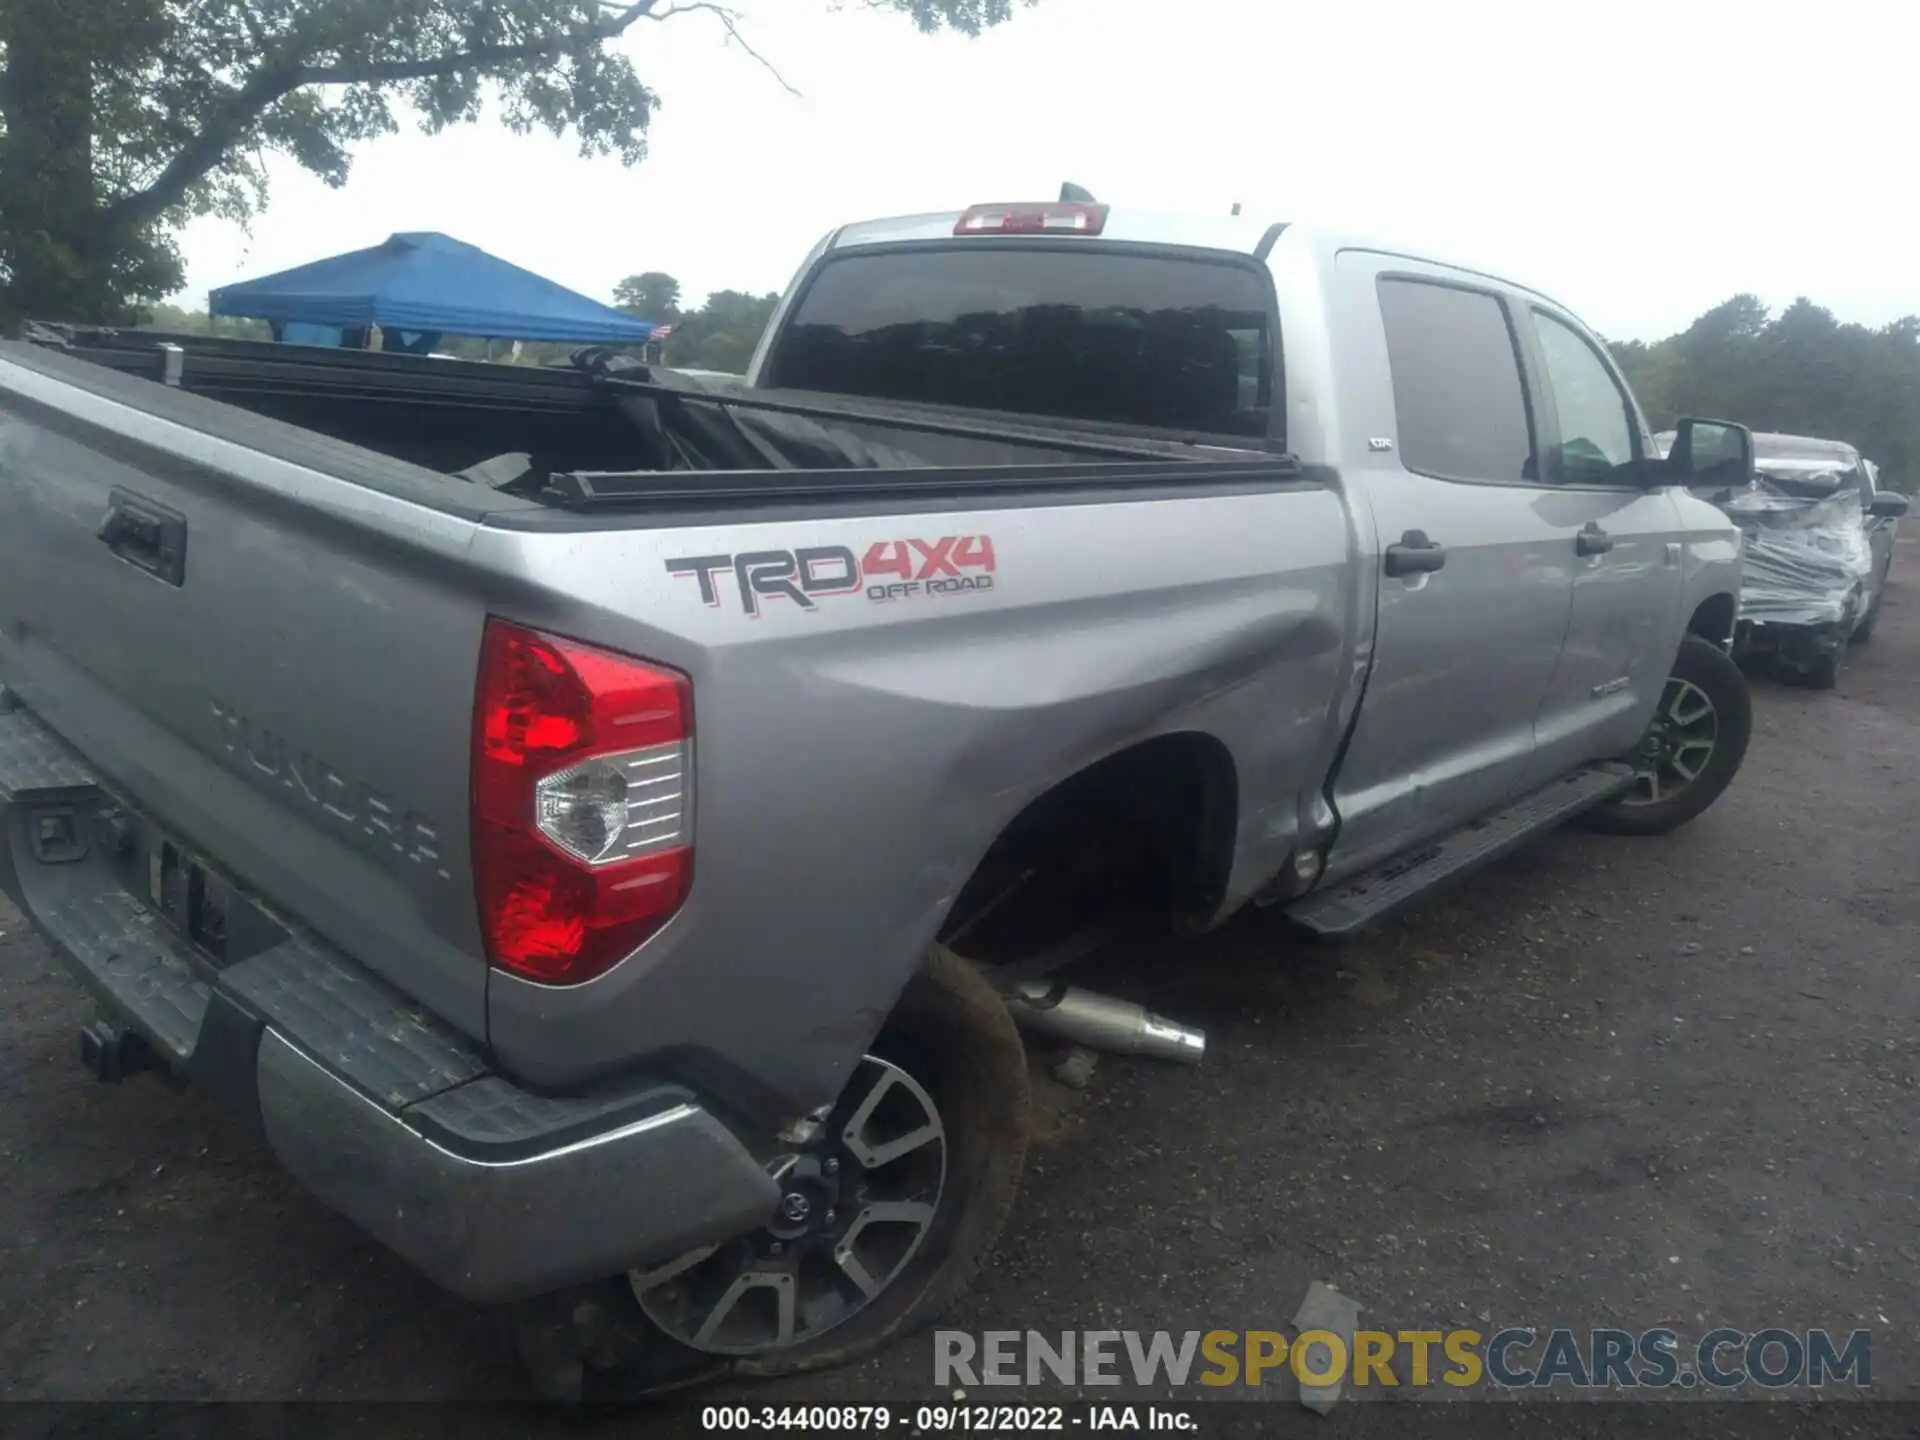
pixel 855 1205
pixel 1678 746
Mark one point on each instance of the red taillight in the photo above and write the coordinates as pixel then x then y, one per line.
pixel 1033 219
pixel 582 803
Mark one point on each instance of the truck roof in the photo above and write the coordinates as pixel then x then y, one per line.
pixel 1235 234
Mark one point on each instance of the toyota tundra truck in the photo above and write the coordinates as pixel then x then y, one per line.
pixel 586 821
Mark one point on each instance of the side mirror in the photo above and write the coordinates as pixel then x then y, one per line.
pixel 1887 505
pixel 1708 453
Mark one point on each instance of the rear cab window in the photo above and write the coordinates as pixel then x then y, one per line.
pixel 1074 331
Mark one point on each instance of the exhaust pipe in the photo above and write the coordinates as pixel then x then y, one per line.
pixel 1101 1022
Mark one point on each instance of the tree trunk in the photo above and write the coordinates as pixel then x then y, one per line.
pixel 48 214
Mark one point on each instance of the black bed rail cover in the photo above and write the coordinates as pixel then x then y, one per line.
pixel 613 490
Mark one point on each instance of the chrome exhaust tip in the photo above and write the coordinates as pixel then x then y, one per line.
pixel 1100 1022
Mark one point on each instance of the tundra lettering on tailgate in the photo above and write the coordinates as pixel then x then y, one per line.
pixel 352 804
pixel 890 570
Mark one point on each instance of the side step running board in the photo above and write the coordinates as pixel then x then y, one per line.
pixel 1373 895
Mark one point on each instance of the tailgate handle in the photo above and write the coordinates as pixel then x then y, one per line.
pixel 148 536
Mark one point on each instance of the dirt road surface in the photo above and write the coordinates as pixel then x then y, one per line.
pixel 1611 1082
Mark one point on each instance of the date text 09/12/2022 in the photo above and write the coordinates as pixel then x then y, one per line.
pixel 950 1419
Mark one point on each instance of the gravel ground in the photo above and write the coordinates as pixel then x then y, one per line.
pixel 1610 1082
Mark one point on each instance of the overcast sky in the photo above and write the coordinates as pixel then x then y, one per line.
pixel 1638 161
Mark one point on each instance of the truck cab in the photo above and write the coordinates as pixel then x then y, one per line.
pixel 1528 567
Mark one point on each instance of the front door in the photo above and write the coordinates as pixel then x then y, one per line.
pixel 1628 550
pixel 1475 579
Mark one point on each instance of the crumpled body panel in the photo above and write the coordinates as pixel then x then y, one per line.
pixel 1807 560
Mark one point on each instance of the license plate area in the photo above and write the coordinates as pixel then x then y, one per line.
pixel 196 902
pixel 215 916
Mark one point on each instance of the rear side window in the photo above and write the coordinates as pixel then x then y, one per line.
pixel 1084 334
pixel 1456 383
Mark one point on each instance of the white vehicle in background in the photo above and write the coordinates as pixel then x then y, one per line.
pixel 1818 536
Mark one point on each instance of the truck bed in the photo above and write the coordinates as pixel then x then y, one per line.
pixel 292 693
pixel 604 415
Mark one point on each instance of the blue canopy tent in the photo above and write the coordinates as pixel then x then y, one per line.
pixel 419 286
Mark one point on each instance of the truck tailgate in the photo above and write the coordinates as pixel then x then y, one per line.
pixel 273 663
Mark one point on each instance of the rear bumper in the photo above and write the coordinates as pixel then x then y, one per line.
pixel 383 1113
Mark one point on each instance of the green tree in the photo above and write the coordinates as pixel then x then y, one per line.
pixel 175 320
pixel 1800 372
pixel 119 119
pixel 722 333
pixel 651 295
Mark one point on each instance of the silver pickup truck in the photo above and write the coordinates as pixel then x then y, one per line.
pixel 550 807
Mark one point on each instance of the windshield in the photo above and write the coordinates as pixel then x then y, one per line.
pixel 1810 467
pixel 1085 334
pixel 1800 450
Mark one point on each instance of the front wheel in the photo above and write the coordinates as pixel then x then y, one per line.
pixel 1863 632
pixel 1691 751
pixel 884 1218
pixel 1824 673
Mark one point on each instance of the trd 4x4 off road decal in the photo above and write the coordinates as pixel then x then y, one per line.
pixel 890 570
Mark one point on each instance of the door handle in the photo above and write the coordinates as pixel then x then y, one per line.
pixel 1415 555
pixel 1592 540
pixel 146 535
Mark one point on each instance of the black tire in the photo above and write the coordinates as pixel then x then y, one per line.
pixel 951 1034
pixel 1863 632
pixel 1700 669
pixel 1824 673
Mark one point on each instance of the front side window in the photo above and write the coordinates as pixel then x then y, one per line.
pixel 1457 397
pixel 1596 431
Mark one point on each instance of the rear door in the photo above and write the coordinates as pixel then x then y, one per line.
pixel 1626 544
pixel 1476 569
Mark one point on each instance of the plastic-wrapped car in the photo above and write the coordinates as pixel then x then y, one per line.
pixel 1818 545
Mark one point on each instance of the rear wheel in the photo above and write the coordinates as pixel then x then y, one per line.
pixel 1691 751
pixel 884 1218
